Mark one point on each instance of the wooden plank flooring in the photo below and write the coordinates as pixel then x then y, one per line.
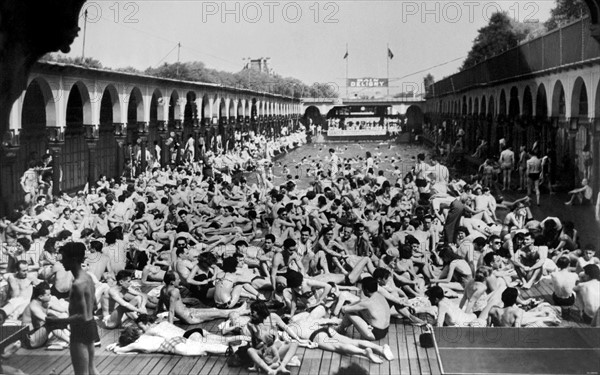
pixel 402 338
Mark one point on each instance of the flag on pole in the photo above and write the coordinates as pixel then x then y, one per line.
pixel 346 55
pixel 390 54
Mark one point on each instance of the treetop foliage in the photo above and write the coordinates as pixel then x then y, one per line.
pixel 503 33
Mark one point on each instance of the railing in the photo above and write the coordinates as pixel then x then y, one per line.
pixel 561 47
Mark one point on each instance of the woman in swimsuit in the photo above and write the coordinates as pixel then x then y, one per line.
pixel 201 278
pixel 475 297
pixel 133 339
pixel 264 323
pixel 229 287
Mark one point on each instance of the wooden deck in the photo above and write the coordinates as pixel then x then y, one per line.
pixel 402 338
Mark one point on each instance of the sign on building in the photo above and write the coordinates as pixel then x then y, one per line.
pixel 367 82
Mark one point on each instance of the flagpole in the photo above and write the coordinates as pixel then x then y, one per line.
pixel 347 58
pixel 84 32
pixel 387 55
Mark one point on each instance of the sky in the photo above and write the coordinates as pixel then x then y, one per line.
pixel 304 39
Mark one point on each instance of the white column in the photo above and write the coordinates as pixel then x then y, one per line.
pixel 95 103
pixel 15 113
pixel 62 95
pixel 181 102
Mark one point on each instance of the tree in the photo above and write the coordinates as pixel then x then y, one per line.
pixel 496 37
pixel 565 12
pixel 88 62
pixel 502 33
pixel 129 69
pixel 428 82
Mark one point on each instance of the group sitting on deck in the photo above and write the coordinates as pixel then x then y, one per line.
pixel 191 243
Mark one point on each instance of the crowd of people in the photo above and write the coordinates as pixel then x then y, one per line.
pixel 212 237
pixel 355 125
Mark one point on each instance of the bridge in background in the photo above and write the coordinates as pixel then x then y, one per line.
pixel 318 110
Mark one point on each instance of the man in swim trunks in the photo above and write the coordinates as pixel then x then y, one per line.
pixel 588 292
pixel 563 282
pixel 507 164
pixel 449 313
pixel 370 316
pixel 509 316
pixel 84 332
pixel 170 300
pixel 534 168
pixel 529 261
pixel 118 305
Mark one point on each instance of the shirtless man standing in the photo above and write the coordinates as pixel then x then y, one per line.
pixel 84 331
pixel 170 300
pixel 370 316
pixel 29 183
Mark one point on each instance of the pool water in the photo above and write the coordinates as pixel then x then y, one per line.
pixel 387 156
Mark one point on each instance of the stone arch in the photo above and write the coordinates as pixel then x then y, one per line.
pixel 414 117
pixel 502 107
pixel 313 115
pixel 513 104
pixel 190 111
pixel 135 106
pixel 232 108
pixel 74 158
pixel 174 108
pixel 79 107
pixel 222 107
pixel 47 99
pixel 34 119
pixel 579 100
pixel 541 102
pixel 254 109
pixel 156 106
pixel 33 115
pixel 597 103
pixel 240 109
pixel 106 148
pixel 483 109
pixel 527 107
pixel 558 108
pixel 110 106
pixel 206 108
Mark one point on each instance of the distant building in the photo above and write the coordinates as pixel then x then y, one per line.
pixel 261 65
